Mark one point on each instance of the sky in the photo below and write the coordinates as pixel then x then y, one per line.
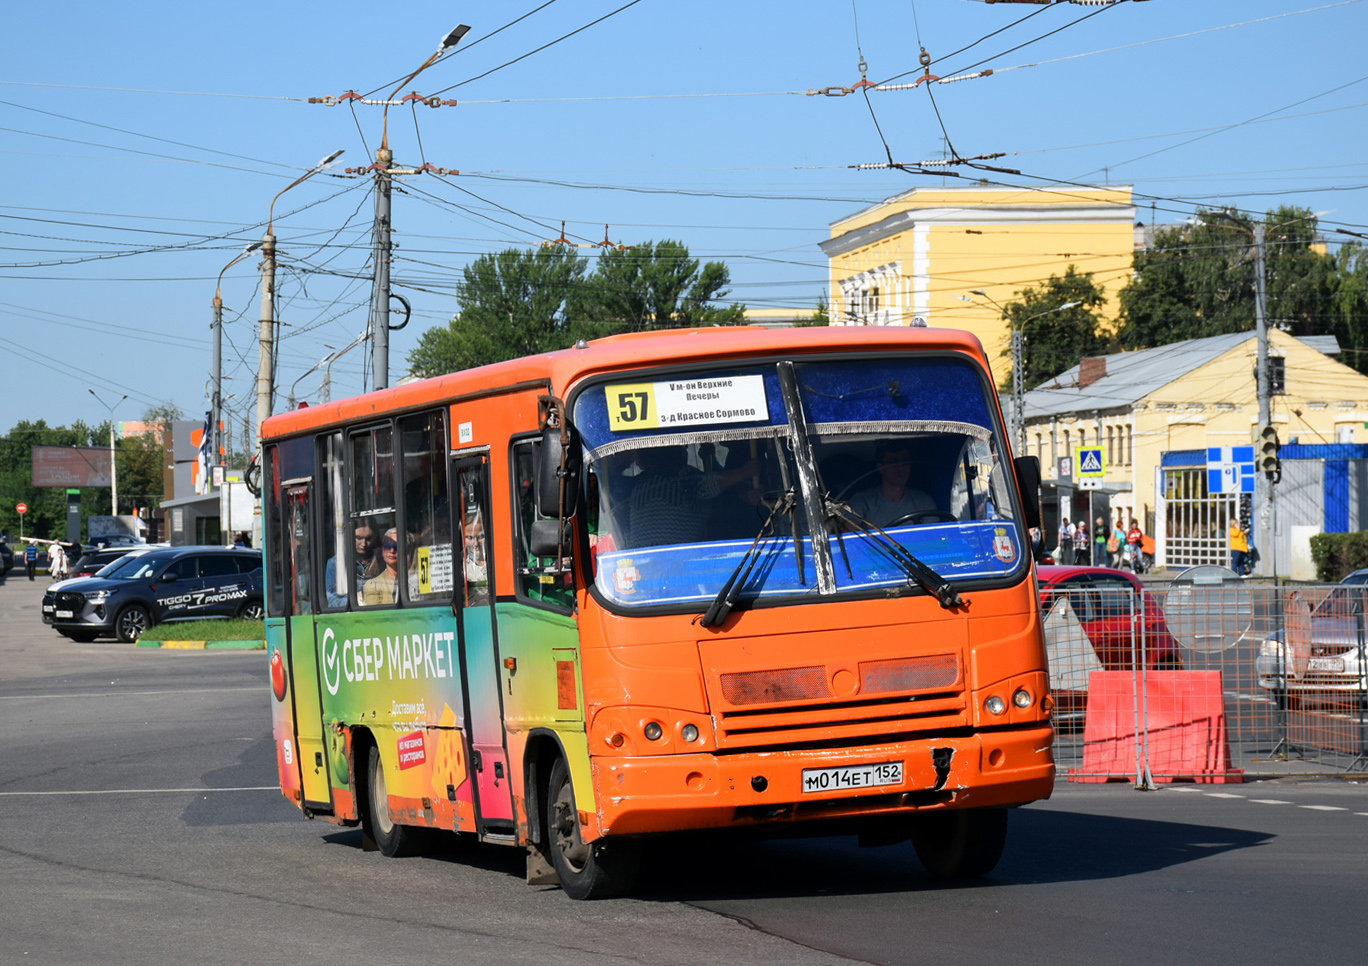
pixel 141 147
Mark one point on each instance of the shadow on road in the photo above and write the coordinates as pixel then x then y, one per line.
pixel 1042 846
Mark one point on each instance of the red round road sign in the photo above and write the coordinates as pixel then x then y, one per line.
pixel 22 508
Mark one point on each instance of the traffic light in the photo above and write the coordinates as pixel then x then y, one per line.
pixel 1268 449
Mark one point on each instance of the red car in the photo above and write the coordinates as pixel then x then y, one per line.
pixel 1089 626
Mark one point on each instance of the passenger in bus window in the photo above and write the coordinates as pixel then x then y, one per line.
pixel 365 553
pixel 383 588
pixel 892 500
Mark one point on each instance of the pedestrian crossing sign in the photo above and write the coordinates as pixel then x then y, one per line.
pixel 1088 463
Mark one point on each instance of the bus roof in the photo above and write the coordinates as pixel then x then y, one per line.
pixel 554 371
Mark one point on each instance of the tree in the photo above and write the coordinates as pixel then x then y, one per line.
pixel 513 303
pixel 1198 280
pixel 522 302
pixel 1055 340
pixel 656 285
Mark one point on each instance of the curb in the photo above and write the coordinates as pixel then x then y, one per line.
pixel 206 645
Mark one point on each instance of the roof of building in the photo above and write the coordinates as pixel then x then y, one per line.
pixel 1131 376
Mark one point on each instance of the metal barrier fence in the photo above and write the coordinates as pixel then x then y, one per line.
pixel 1206 682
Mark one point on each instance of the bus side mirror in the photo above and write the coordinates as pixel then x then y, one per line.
pixel 1028 484
pixel 548 538
pixel 550 473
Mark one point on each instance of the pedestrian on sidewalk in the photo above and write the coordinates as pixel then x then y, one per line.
pixel 31 559
pixel 1134 537
pixel 1082 541
pixel 1064 552
pixel 1239 547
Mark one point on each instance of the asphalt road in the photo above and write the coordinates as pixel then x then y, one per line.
pixel 139 823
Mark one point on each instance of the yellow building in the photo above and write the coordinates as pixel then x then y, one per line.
pixel 924 253
pixel 1188 396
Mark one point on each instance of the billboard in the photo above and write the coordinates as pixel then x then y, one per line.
pixel 70 466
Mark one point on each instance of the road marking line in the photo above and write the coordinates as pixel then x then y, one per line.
pixel 1269 801
pixel 121 694
pixel 143 791
pixel 1324 808
pixel 1223 795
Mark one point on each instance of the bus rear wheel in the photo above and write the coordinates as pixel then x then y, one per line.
pixel 960 843
pixel 393 840
pixel 596 870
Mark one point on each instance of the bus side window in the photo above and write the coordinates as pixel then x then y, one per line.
pixel 427 516
pixel 380 572
pixel 544 579
pixel 271 498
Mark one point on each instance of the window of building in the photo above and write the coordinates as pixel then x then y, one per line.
pixel 1130 445
pixel 1111 447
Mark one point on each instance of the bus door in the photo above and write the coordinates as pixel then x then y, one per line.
pixel 473 605
pixel 308 710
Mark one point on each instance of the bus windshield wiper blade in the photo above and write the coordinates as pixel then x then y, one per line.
pixel 726 597
pixel 932 582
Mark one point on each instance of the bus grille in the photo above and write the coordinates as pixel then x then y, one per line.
pixel 796 706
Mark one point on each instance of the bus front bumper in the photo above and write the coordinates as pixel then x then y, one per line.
pixel 678 792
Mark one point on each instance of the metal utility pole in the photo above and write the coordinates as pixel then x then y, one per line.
pixel 380 293
pixel 216 397
pixel 113 468
pixel 1265 534
pixel 384 173
pixel 265 333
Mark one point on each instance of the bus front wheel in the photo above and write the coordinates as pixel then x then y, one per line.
pixel 393 840
pixel 960 843
pixel 596 870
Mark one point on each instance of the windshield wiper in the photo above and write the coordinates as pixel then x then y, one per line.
pixel 726 597
pixel 932 582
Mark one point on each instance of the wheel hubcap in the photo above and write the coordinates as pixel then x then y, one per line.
pixel 380 799
pixel 134 623
pixel 566 827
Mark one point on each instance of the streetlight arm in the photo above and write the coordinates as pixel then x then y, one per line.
pixel 270 212
pixel 450 40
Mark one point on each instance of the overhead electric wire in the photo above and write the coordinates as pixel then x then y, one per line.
pixel 521 57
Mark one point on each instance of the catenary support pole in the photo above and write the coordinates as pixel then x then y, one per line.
pixel 380 295
pixel 1265 534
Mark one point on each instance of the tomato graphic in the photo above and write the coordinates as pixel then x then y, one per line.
pixel 277 676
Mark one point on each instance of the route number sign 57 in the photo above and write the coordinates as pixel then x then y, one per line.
pixel 691 401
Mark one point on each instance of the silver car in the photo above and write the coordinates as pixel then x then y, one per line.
pixel 1319 654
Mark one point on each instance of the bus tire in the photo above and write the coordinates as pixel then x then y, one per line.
pixel 132 622
pixel 960 843
pixel 598 870
pixel 392 839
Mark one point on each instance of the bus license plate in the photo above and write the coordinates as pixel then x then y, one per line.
pixel 1325 664
pixel 852 776
pixel 65 613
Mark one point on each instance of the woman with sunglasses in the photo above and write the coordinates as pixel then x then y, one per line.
pixel 383 588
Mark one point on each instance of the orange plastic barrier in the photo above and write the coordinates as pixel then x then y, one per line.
pixel 1184 715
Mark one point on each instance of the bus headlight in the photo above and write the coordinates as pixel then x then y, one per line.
pixel 689 732
pixel 652 731
pixel 1022 698
pixel 995 705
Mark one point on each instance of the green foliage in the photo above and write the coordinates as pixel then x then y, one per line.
pixel 1055 340
pixel 139 461
pixel 656 285
pixel 1338 554
pixel 523 302
pixel 211 630
pixel 821 314
pixel 1198 280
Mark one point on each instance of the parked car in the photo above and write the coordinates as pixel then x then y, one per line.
pixel 71 583
pixel 157 586
pixel 93 561
pixel 1322 660
pixel 1103 601
pixel 104 541
pixel 6 558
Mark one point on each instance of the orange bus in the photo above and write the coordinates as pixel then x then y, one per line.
pixel 678 580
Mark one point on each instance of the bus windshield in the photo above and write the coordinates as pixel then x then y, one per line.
pixel 791 479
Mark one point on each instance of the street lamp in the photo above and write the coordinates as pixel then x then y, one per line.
pixel 327 372
pixel 1018 340
pixel 216 397
pixel 380 292
pixel 113 469
pixel 266 332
